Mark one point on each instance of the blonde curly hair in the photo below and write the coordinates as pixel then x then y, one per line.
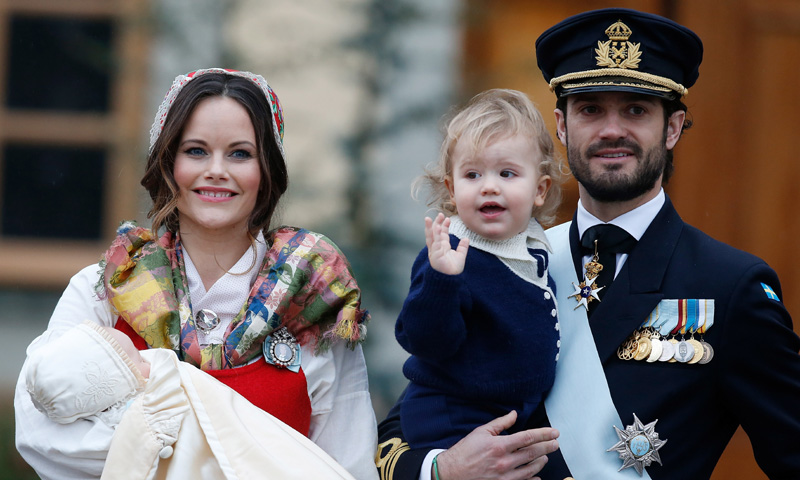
pixel 489 116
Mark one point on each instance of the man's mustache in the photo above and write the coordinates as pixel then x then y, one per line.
pixel 619 143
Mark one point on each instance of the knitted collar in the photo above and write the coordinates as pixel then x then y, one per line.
pixel 515 247
pixel 512 252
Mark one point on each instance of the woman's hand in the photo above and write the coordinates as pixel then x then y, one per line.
pixel 441 255
pixel 485 454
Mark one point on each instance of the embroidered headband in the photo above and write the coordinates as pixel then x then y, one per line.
pixel 181 81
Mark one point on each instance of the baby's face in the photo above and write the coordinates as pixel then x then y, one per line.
pixel 496 188
pixel 129 348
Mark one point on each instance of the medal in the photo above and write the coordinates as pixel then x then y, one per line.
pixel 688 349
pixel 644 348
pixel 657 348
pixel 708 321
pixel 638 445
pixel 680 327
pixel 627 350
pixel 667 351
pixel 587 291
pixel 654 332
pixel 684 352
pixel 674 343
pixel 708 353
pixel 639 346
pixel 698 350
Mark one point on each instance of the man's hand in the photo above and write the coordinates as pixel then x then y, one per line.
pixel 485 454
pixel 441 255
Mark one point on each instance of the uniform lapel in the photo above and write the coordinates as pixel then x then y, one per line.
pixel 637 289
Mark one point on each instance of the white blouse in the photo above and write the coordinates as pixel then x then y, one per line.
pixel 342 419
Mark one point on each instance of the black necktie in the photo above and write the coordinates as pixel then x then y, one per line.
pixel 611 240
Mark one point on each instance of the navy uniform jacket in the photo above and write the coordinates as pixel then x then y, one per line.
pixel 752 381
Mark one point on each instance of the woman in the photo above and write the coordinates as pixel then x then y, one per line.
pixel 275 314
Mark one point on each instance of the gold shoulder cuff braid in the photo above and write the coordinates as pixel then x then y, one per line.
pixel 387 461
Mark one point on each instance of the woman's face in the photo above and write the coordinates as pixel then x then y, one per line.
pixel 217 169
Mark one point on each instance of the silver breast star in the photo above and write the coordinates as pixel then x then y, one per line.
pixel 638 445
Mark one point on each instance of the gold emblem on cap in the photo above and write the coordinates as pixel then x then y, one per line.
pixel 618 31
pixel 618 52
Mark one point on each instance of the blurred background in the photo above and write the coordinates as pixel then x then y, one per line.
pixel 364 85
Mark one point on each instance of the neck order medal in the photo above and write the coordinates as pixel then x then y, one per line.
pixel 588 289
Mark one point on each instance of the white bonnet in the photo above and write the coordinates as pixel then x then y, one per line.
pixel 81 373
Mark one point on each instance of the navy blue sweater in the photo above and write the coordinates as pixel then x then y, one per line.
pixel 485 334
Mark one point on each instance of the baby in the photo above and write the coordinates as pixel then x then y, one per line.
pixel 91 371
pixel 150 398
pixel 480 317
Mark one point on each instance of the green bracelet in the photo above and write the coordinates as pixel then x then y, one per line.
pixel 436 467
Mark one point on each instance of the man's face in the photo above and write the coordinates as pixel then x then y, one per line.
pixel 617 143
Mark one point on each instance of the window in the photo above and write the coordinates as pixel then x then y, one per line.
pixel 72 76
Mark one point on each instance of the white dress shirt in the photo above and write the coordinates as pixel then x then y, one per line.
pixel 634 222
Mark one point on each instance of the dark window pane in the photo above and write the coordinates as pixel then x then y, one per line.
pixel 52 192
pixel 59 63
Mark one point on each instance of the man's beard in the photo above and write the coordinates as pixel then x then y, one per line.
pixel 611 185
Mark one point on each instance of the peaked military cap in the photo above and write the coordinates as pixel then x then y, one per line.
pixel 617 49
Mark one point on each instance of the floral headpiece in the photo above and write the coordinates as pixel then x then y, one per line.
pixel 181 81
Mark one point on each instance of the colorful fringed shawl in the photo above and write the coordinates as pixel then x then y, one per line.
pixel 305 284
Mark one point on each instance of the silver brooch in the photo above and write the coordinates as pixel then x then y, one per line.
pixel 281 349
pixel 638 445
pixel 206 320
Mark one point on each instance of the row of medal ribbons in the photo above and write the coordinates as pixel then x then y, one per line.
pixel 668 334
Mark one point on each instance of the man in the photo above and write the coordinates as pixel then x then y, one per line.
pixel 691 340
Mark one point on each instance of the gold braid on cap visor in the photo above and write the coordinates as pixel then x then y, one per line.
pixel 655 80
